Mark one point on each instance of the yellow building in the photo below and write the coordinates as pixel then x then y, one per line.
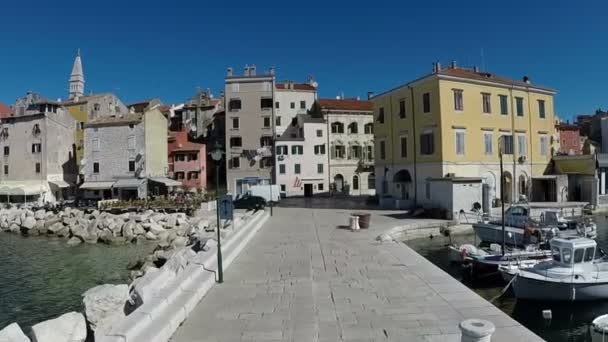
pixel 449 124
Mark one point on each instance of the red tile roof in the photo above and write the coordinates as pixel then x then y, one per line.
pixel 297 86
pixel 5 111
pixel 346 104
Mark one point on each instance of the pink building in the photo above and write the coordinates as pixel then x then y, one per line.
pixel 187 161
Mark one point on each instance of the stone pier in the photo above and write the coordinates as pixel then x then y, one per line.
pixel 306 277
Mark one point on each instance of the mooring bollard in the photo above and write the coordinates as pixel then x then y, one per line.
pixel 354 223
pixel 476 330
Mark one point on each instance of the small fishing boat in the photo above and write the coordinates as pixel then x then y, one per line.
pixel 573 274
pixel 489 259
pixel 524 229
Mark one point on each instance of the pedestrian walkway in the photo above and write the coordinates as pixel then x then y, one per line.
pixel 305 277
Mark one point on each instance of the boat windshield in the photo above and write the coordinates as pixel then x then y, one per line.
pixel 566 255
pixel 556 255
pixel 589 253
pixel 578 255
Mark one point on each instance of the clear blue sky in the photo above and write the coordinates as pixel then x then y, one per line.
pixel 140 49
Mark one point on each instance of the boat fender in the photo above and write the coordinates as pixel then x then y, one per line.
pixel 463 254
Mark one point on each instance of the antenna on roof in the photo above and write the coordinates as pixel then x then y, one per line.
pixel 483 60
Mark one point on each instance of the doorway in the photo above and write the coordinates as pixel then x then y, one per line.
pixel 307 190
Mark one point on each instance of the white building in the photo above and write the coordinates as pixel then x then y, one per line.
pixel 292 99
pixel 351 145
pixel 301 158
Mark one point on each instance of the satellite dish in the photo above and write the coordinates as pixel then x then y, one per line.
pixel 315 84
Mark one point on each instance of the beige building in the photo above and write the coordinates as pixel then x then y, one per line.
pixel 126 156
pixel 250 127
pixel 38 152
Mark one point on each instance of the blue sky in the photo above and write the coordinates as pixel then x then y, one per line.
pixel 140 49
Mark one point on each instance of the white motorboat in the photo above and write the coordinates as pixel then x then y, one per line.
pixel 523 229
pixel 489 259
pixel 600 324
pixel 573 274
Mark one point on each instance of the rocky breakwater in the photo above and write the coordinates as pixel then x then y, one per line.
pixel 77 227
pixel 184 246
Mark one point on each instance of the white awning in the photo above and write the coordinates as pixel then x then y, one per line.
pixel 128 183
pixel 60 183
pixel 23 187
pixel 166 181
pixel 96 185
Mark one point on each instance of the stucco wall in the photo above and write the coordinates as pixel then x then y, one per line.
pixel 114 152
pixel 155 130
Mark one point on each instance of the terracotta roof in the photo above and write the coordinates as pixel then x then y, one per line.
pixel 5 111
pixel 296 86
pixel 346 104
pixel 486 76
pixel 116 120
pixel 566 127
pixel 187 146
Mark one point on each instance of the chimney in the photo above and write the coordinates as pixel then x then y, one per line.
pixel 252 70
pixel 438 66
pixel 526 79
pixel 476 69
pixel 358 98
pixel 453 65
pixel 246 72
pixel 370 94
pixel 310 80
pixel 271 71
pixel 229 72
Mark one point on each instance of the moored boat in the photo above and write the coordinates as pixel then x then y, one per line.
pixel 573 274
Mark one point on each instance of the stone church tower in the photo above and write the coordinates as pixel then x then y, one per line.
pixel 77 79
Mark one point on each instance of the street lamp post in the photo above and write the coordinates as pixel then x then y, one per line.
pixel 216 154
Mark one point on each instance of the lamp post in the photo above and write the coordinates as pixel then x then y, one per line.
pixel 216 154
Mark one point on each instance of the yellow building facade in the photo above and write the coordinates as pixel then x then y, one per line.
pixel 450 124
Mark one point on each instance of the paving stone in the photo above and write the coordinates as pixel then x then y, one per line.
pixel 302 279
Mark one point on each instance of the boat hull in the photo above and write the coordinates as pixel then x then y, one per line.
pixel 491 233
pixel 545 290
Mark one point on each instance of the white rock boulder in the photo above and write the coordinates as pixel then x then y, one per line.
pixel 104 306
pixel 69 327
pixel 13 333
pixel 29 222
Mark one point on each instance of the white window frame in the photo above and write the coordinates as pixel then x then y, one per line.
pixel 457 133
pixel 490 151
pixel 523 153
pixel 458 105
pixel 483 103
pixel 544 145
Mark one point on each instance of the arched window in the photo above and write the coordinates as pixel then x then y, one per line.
pixel 355 182
pixel 337 127
pixel 353 128
pixel 371 181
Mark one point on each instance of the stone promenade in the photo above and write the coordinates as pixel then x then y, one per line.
pixel 304 277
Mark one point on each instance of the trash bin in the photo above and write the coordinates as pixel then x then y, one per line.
pixel 364 219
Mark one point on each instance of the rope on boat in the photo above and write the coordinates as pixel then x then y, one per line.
pixel 502 292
